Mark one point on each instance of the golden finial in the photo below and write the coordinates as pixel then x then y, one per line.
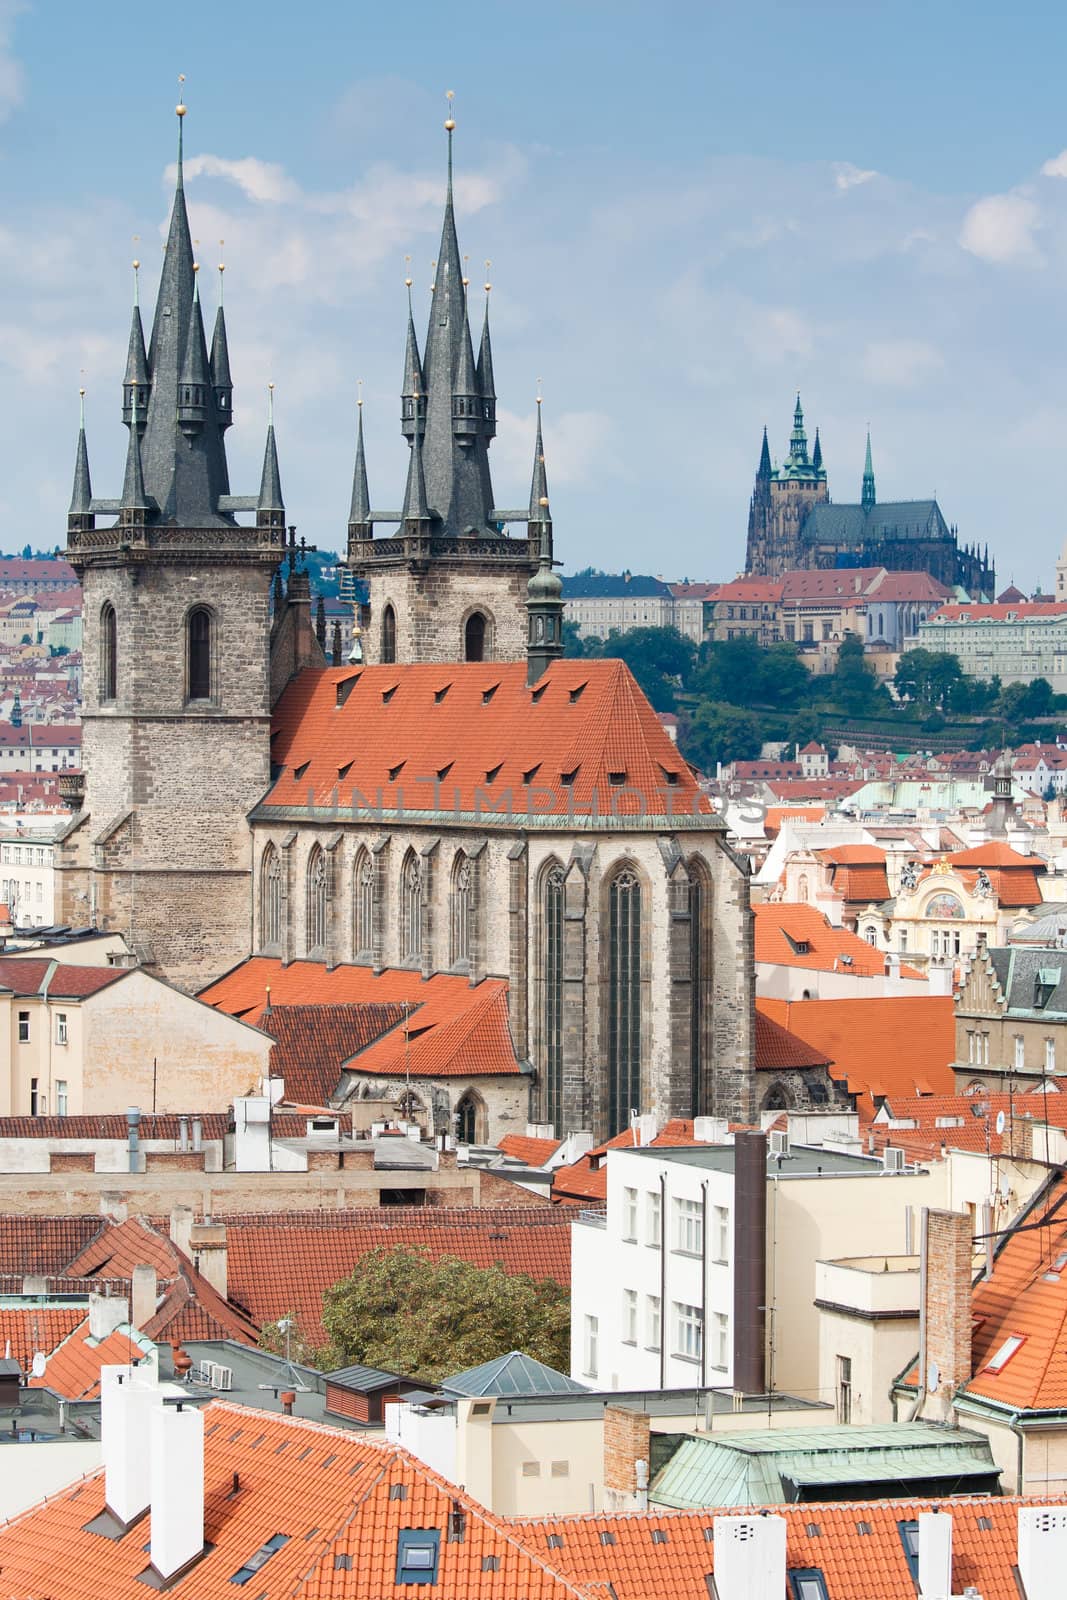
pixel 450 121
pixel 488 285
pixel 196 266
pixel 466 279
pixel 538 391
pixel 433 270
pixel 180 107
pixel 407 272
pixel 544 498
pixel 359 391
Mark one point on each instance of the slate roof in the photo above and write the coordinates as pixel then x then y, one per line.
pixel 454 1030
pixel 364 1380
pixel 1028 972
pixel 510 1375
pixel 614 586
pixel 834 522
pixel 461 737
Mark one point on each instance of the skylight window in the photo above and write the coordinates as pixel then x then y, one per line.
pixel 256 1562
pixel 1000 1359
pixel 807 1583
pixel 417 1550
pixel 909 1538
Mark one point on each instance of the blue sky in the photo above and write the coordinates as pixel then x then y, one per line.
pixel 691 210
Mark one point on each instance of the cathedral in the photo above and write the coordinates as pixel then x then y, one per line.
pixel 454 799
pixel 793 524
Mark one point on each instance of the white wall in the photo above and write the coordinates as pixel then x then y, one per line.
pixel 29 1472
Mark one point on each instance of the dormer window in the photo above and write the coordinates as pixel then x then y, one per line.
pixel 567 778
pixel 1045 986
pixel 576 693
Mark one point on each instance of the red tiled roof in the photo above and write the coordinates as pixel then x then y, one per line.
pixel 535 1152
pixel 761 590
pixel 32 1328
pixel 24 975
pixel 894 1045
pixel 908 586
pixel 454 1030
pixel 812 789
pixel 587 1179
pixel 964 1121
pixel 1023 610
pixel 73 1370
pixel 284 1262
pixel 783 925
pixel 778 1049
pixel 314 1041
pixel 43 1245
pixel 120 1247
pixel 462 736
pixel 858 872
pixel 750 771
pixel 775 816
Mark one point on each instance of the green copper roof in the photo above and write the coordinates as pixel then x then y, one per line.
pixel 513 1374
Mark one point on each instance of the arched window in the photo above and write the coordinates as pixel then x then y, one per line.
pixel 802 888
pixel 270 897
pixel 462 909
pixel 109 653
pixel 777 1099
pixel 474 637
pixel 388 636
pixel 411 909
pixel 363 903
pixel 470 1119
pixel 552 1020
pixel 870 933
pixel 315 922
pixel 624 998
pixel 700 969
pixel 199 653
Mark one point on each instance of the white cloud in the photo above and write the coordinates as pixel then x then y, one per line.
pixel 1056 166
pixel 775 334
pixel 1001 227
pixel 576 447
pixel 846 176
pixel 11 75
pixel 262 181
pixel 900 363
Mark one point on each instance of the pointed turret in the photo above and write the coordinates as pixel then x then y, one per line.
pixel 763 471
pixel 867 500
pixel 816 455
pixel 413 396
pixel 136 362
pixel 415 517
pixel 466 401
pixel 134 504
pixel 484 374
pixel 221 381
pixel 194 381
pixel 798 439
pixel 359 522
pixel 544 592
pixel 270 508
pixel 80 516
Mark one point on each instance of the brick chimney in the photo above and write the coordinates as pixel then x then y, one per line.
pixel 627 1440
pixel 949 1276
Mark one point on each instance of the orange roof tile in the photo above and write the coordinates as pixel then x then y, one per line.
pixel 454 1029
pixel 884 1045
pixel 778 1049
pixel 120 1247
pixel 775 816
pixel 73 1370
pixel 32 1328
pixel 782 926
pixel 535 1152
pixel 465 736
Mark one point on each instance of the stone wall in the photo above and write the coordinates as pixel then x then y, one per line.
pixel 432 607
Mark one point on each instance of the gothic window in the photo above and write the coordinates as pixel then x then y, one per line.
pixel 411 908
pixel 109 652
pixel 270 897
pixel 462 910
pixel 199 653
pixel 470 1119
pixel 552 1020
pixel 700 966
pixel 363 903
pixel 388 636
pixel 315 923
pixel 474 637
pixel 624 998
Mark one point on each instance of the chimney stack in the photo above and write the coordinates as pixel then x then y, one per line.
pixel 126 1404
pixel 176 1469
pixel 627 1443
pixel 749 1557
pixel 207 1243
pixel 935 1555
pixel 947 1294
pixel 145 1294
pixel 1042 1551
pixel 106 1313
pixel 750 1262
pixel 133 1126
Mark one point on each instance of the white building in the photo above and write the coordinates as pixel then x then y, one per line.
pixel 27 879
pixel 1016 642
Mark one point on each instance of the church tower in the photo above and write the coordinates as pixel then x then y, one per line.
pixel 448 584
pixel 176 714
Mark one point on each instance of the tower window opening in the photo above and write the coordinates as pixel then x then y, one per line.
pixel 474 638
pixel 108 653
pixel 388 636
pixel 199 652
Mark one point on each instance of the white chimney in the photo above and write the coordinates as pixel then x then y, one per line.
pixel 1042 1551
pixel 711 1130
pixel 127 1398
pixel 176 1469
pixel 749 1557
pixel 145 1294
pixel 106 1313
pixel 935 1555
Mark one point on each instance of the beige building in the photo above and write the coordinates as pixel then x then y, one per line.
pixel 1011 1018
pixel 78 1038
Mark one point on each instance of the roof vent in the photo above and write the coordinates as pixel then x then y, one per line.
pixel 576 693
pixel 298 772
pixel 439 694
pixel 442 772
pixel 616 779
pixel 387 694
pixel 492 773
pixel 487 694
pixel 537 692
pixel 531 773
pixel 394 772
pixel 567 778
pixel 345 768
pixel 345 687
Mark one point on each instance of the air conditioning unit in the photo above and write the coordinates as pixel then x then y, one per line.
pixel 893 1159
pixel 779 1143
pixel 204 1371
pixel 222 1377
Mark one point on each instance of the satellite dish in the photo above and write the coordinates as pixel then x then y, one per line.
pixel 1000 1122
pixel 40 1361
pixel 933 1377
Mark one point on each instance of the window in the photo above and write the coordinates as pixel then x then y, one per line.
pixel 411 909
pixel 462 909
pixel 807 1583
pixel 688 1332
pixel 870 933
pixel 592 1345
pixel 470 1122
pixel 388 635
pixel 199 653
pixel 36 1107
pixel 363 902
pixel 61 1097
pixel 1001 1357
pixel 844 1389
pixel 903 938
pixel 624 998
pixel 315 911
pixel 553 996
pixel 255 1563
pixel 24 1027
pixel 61 1027
pixel 720 1340
pixel 689 1226
pixel 417 1550
pixel 720 1222
pixel 474 638
pixel 653 1218
pixel 1050 1055
pixel 109 652
pixel 629 1316
pixel 270 897
pixel 909 1538
pixel 653 1334
pixel 1020 1052
pixel 629 1214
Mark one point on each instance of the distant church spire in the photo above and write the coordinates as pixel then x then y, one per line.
pixel 867 499
pixel 416 512
pixel 270 510
pixel 359 522
pixel 221 381
pixel 486 382
pixel 816 454
pixel 81 499
pixel 136 360
pixel 544 592
pixel 798 439
pixel 413 394
pixel 763 472
pixel 134 499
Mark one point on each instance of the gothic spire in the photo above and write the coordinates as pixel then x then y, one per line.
pixel 539 483
pixel 413 394
pixel 486 381
pixel 798 441
pixel 136 361
pixel 867 498
pixel 415 507
pixel 82 493
pixel 359 511
pixel 816 454
pixel 544 592
pixel 134 498
pixel 764 469
pixel 221 381
pixel 271 506
pixel 194 380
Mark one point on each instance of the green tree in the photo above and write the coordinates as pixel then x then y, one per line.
pixel 731 671
pixel 575 646
pixel 784 680
pixel 661 659
pixel 405 1312
pixel 722 733
pixel 854 686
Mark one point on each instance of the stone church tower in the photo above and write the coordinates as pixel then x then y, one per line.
pixel 781 500
pixel 177 687
pixel 449 585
